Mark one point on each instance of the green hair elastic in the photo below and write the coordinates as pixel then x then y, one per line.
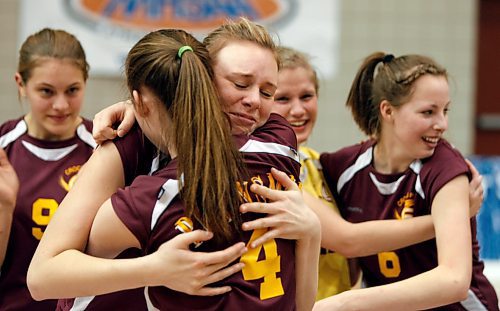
pixel 183 49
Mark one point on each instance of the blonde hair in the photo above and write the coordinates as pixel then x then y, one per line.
pixel 240 30
pixel 291 58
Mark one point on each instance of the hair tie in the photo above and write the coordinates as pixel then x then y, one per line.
pixel 183 49
pixel 387 58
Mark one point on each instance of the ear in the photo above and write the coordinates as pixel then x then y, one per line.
pixel 140 107
pixel 386 110
pixel 20 84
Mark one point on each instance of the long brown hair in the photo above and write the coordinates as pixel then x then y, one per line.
pixel 385 77
pixel 208 161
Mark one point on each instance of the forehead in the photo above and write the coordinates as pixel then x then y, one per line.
pixel 296 75
pixel 248 59
pixel 431 88
pixel 56 71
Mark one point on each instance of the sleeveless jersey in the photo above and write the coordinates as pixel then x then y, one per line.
pixel 138 156
pixel 46 171
pixel 333 277
pixel 151 209
pixel 363 194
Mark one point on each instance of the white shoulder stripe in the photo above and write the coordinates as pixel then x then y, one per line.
pixel 11 136
pixel 49 154
pixel 85 136
pixel 363 160
pixel 169 190
pixel 274 148
pixel 416 167
pixel 81 303
pixel 472 302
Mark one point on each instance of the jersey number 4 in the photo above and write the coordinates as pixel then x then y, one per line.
pixel 266 268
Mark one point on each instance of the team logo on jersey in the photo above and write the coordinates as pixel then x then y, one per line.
pixel 247 195
pixel 199 16
pixel 406 204
pixel 68 178
pixel 184 224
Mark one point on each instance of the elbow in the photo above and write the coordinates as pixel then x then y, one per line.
pixel 461 289
pixel 458 288
pixel 345 247
pixel 35 286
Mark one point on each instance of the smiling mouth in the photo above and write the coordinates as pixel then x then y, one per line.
pixel 298 123
pixel 431 140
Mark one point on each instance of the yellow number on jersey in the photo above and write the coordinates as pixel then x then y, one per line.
pixel 266 268
pixel 39 217
pixel 388 263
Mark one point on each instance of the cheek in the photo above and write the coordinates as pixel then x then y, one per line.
pixel 38 104
pixel 312 110
pixel 281 109
pixel 265 110
pixel 227 100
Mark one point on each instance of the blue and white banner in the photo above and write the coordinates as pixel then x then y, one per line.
pixel 109 28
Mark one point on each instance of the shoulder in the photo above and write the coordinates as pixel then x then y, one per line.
pixel 444 165
pixel 84 132
pixel 346 156
pixel 12 130
pixel 446 158
pixel 276 130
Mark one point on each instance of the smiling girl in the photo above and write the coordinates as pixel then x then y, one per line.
pixel 407 170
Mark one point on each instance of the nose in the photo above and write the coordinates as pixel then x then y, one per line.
pixel 252 99
pixel 60 103
pixel 297 108
pixel 441 122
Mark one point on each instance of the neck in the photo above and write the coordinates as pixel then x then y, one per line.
pixel 389 160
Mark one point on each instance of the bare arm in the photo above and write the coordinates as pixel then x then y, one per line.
pixel 60 268
pixel 9 186
pixel 290 218
pixel 445 284
pixel 371 237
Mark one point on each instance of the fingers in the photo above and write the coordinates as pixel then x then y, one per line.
pixel 212 291
pixel 472 169
pixel 222 258
pixel 128 119
pixel 258 207
pixel 222 273
pixel 269 235
pixel 283 179
pixel 122 112
pixel 3 158
pixel 183 241
pixel 104 134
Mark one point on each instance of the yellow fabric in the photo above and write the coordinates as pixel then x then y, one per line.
pixel 333 268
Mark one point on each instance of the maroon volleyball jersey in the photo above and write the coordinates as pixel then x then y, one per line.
pixel 46 171
pixel 152 210
pixel 139 157
pixel 364 194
